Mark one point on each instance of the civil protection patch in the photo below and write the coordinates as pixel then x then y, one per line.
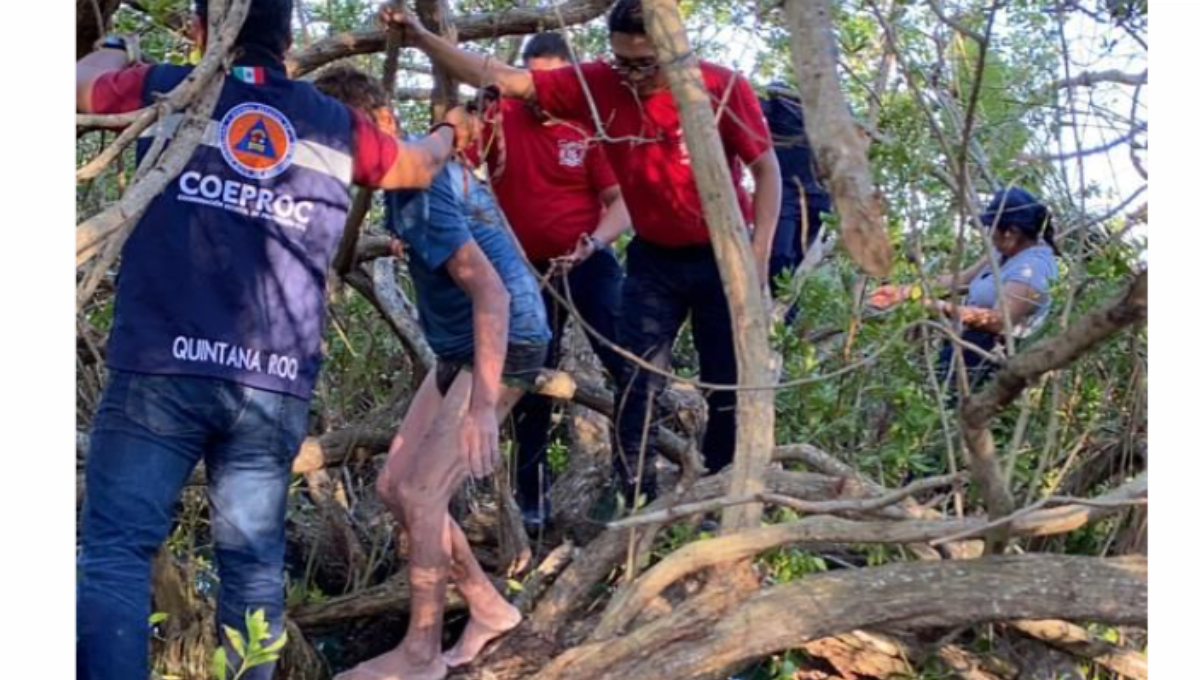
pixel 257 140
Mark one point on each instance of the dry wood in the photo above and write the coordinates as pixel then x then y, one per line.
pixel 343 551
pixel 344 259
pixel 695 557
pixel 703 640
pixel 593 395
pixel 438 18
pixel 541 578
pixel 604 555
pixel 824 462
pixel 515 553
pixel 387 598
pixel 513 21
pixel 1075 640
pixel 675 512
pixel 735 260
pixel 840 148
pixel 400 315
pixel 1091 78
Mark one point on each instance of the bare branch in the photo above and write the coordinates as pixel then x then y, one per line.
pixel 1093 78
pixel 514 21
pixel 840 148
pixel 675 512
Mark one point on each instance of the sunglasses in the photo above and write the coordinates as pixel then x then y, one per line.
pixel 641 67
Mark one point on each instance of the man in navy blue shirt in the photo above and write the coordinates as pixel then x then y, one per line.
pixel 804 198
pixel 216 336
pixel 482 313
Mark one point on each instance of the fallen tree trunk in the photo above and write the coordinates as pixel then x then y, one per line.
pixel 695 557
pixel 700 641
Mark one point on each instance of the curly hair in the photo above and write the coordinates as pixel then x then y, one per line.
pixel 352 87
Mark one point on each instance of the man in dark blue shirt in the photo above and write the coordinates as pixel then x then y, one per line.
pixel 217 329
pixel 804 198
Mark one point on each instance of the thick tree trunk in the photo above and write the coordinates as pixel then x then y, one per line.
pixel 707 638
pixel 755 408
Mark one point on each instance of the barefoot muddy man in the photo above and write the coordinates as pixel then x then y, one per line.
pixel 483 315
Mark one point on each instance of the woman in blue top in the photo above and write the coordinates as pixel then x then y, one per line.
pixel 1023 237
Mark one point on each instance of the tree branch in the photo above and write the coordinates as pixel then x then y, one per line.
pixel 514 21
pixel 840 148
pixel 706 638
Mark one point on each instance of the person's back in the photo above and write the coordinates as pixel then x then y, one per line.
pixel 255 217
pixel 804 198
pixel 433 224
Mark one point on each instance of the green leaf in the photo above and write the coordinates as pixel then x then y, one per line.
pixel 236 640
pixel 515 586
pixel 257 628
pixel 158 617
pixel 276 646
pixel 219 663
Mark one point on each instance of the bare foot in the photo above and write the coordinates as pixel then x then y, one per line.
pixel 482 629
pixel 396 665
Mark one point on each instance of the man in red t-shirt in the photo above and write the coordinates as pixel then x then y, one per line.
pixel 671 272
pixel 559 194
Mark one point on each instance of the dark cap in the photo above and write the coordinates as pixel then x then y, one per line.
pixel 1016 207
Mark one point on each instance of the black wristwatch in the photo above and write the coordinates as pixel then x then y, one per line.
pixel 116 42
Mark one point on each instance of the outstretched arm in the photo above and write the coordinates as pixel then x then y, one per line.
pixel 475 69
pixel 418 162
pixel 89 69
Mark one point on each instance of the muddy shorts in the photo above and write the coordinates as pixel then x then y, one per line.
pixel 522 364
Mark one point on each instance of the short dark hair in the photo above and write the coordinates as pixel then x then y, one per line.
pixel 352 87
pixel 626 17
pixel 268 26
pixel 547 45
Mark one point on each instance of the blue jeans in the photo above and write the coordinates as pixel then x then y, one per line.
pixel 148 435
pixel 663 286
pixel 595 286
